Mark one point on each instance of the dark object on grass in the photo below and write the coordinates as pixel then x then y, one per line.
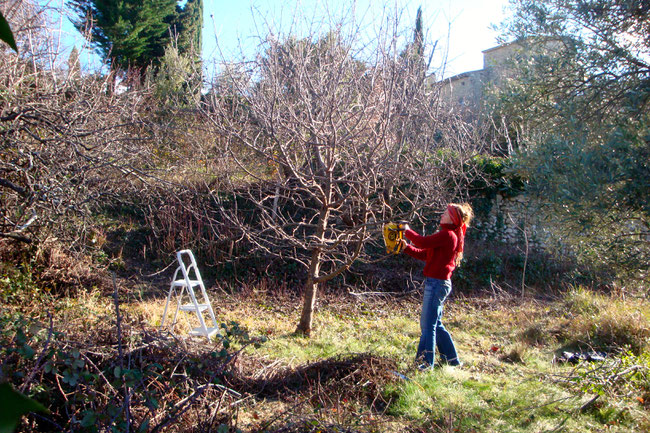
pixel 576 357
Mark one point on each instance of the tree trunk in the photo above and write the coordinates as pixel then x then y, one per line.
pixel 309 298
pixel 311 287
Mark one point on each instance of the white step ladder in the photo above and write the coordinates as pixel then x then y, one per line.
pixel 187 284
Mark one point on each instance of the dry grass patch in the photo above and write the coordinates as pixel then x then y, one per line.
pixel 592 320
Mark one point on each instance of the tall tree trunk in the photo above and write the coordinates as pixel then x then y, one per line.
pixel 311 286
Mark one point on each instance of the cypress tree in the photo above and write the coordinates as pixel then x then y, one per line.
pixel 418 34
pixel 73 63
pixel 187 30
pixel 188 26
pixel 128 33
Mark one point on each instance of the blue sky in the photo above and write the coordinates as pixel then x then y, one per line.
pixel 462 27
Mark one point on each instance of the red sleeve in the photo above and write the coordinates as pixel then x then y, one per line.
pixel 435 240
pixel 416 253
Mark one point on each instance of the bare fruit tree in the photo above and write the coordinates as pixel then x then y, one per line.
pixel 334 137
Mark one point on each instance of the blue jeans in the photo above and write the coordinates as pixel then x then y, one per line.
pixel 435 293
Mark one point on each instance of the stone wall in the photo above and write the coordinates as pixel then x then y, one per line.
pixel 511 220
pixel 465 89
pixel 500 55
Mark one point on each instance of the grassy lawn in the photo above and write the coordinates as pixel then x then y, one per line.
pixel 509 382
pixel 355 374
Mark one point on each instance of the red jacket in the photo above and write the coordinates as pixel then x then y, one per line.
pixel 437 251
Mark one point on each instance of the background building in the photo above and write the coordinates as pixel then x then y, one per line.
pixel 468 88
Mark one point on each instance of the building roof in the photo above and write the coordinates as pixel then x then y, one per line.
pixel 500 46
pixel 463 75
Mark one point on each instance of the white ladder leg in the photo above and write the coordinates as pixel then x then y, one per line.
pixel 172 289
pixel 197 310
pixel 169 295
pixel 178 305
pixel 210 310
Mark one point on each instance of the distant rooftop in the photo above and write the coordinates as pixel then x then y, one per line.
pixel 463 75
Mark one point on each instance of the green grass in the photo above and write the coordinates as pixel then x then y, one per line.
pixel 509 382
pixel 492 402
pixel 338 334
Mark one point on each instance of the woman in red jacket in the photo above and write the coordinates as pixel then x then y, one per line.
pixel 441 252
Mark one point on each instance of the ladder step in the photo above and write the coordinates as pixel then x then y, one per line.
pixel 199 331
pixel 181 283
pixel 192 307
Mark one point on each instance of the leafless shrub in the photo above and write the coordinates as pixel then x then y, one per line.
pixel 63 149
pixel 68 143
pixel 184 218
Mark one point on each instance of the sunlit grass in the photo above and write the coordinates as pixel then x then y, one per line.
pixel 509 381
pixel 336 335
pixel 492 402
pixel 600 321
pixel 337 331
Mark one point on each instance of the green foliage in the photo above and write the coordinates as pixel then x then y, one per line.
pixel 590 52
pixel 595 196
pixel 624 374
pixel 413 54
pixel 135 33
pixel 73 63
pixel 14 405
pixel 74 381
pixel 599 174
pixel 6 34
pixel 578 98
pixel 188 26
pixel 489 264
pixel 17 284
pixel 177 81
pixel 494 175
pixel 479 273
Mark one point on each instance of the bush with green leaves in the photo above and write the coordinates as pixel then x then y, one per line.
pixel 625 374
pixel 578 100
pixel 96 387
pixel 590 191
pixel 177 80
pixel 494 175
